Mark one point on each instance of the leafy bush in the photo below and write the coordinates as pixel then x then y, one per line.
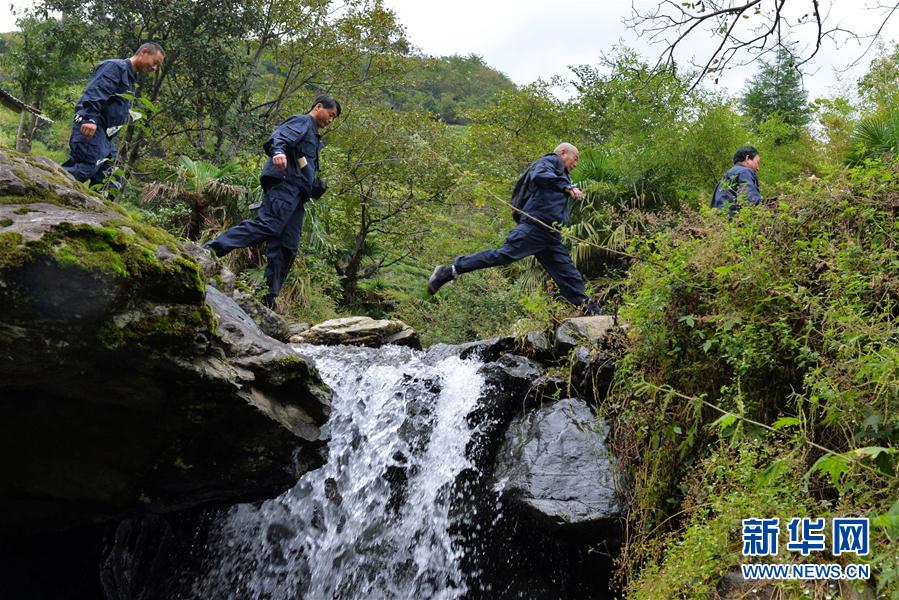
pixel 875 136
pixel 783 311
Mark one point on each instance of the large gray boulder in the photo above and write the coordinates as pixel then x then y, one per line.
pixel 128 385
pixel 589 331
pixel 359 331
pixel 554 463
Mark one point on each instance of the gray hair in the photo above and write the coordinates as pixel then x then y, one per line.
pixel 151 48
pixel 564 147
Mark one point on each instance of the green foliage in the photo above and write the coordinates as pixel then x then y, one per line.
pixel 878 86
pixel 234 69
pixel 382 190
pixel 449 86
pixel 776 90
pixel 522 125
pixel 477 306
pixel 875 136
pixel 195 191
pixel 836 116
pixel 41 64
pixel 728 485
pixel 784 316
pixel 787 155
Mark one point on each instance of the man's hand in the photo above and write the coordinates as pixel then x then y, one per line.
pixel 280 161
pixel 575 193
pixel 88 129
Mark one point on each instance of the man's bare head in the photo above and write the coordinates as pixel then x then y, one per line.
pixel 148 57
pixel 569 155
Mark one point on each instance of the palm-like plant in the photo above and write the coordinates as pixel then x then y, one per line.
pixel 876 136
pixel 202 186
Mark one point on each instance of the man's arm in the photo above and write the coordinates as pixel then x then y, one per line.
pixel 103 85
pixel 544 176
pixel 288 133
pixel 748 186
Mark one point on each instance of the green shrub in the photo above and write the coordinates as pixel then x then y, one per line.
pixel 783 311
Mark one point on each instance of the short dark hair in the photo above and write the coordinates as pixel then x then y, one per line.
pixel 151 48
pixel 744 152
pixel 326 100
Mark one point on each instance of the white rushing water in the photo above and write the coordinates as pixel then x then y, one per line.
pixel 374 521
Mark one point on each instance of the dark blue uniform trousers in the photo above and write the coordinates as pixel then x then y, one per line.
pixel 279 224
pixel 526 240
pixel 91 160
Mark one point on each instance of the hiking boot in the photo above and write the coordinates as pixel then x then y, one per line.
pixel 591 309
pixel 210 245
pixel 440 277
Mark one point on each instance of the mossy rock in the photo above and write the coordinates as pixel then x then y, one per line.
pixel 116 368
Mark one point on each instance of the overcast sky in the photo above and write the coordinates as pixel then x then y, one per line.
pixel 531 39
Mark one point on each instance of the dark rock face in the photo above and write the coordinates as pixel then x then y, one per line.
pixel 127 386
pixel 516 542
pixel 554 463
pixel 271 323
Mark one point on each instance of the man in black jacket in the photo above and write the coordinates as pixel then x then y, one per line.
pixel 548 189
pixel 102 111
pixel 289 178
pixel 741 182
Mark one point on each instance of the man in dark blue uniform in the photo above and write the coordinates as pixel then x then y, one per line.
pixel 548 189
pixel 289 178
pixel 741 183
pixel 102 111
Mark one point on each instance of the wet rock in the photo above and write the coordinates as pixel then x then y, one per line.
pixel 554 463
pixel 592 372
pixel 511 549
pixel 359 331
pixel 485 350
pixel 539 345
pixel 270 322
pixel 546 389
pixel 127 385
pixel 297 328
pixel 214 271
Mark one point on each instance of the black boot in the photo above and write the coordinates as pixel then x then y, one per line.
pixel 591 309
pixel 211 246
pixel 440 277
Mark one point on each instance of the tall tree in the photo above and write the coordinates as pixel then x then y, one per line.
pixel 776 89
pixel 878 86
pixel 390 173
pixel 234 68
pixel 41 63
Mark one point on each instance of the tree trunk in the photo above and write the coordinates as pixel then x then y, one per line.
pixel 23 139
pixel 197 203
pixel 350 275
pixel 28 125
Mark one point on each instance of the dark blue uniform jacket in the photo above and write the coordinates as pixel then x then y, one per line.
pixel 547 190
pixel 740 185
pixel 102 104
pixel 297 136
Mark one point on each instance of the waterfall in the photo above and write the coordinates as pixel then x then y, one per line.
pixel 375 520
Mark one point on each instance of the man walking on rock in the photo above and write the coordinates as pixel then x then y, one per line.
pixel 547 190
pixel 289 179
pixel 102 111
